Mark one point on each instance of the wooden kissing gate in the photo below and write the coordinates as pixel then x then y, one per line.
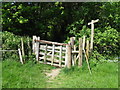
pixel 62 54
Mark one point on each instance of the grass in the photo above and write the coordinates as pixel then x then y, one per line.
pixel 104 75
pixel 31 75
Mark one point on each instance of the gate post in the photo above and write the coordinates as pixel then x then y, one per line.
pixel 36 47
pixel 68 61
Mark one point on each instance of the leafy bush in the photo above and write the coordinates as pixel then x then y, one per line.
pixel 13 42
pixel 105 39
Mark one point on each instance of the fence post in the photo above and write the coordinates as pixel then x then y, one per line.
pixel 80 52
pixel 72 40
pixel 29 48
pixel 33 44
pixel 68 61
pixel 37 48
pixel 20 55
pixel 87 48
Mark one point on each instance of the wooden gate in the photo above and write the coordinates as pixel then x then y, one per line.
pixel 60 54
pixel 52 53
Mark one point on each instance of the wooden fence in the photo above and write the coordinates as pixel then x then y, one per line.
pixel 60 54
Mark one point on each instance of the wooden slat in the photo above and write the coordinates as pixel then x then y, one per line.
pixel 50 47
pixel 53 52
pixel 20 55
pixel 60 56
pixel 68 61
pixel 83 43
pixel 75 51
pixel 87 49
pixel 75 54
pixel 45 54
pixel 50 42
pixel 53 64
pixel 80 52
pixel 37 49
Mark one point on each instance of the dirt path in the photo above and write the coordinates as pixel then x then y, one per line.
pixel 53 73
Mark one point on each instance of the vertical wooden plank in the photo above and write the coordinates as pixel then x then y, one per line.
pixel 87 49
pixel 33 44
pixel 29 48
pixel 69 56
pixel 60 56
pixel 75 56
pixel 83 43
pixel 37 49
pixel 45 54
pixel 80 53
pixel 20 55
pixel 22 45
pixel 66 57
pixel 53 52
pixel 72 39
pixel 92 34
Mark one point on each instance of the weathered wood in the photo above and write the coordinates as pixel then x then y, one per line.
pixel 22 46
pixel 87 48
pixel 60 56
pixel 87 62
pixel 50 47
pixel 92 32
pixel 45 54
pixel 33 43
pixel 20 55
pixel 68 61
pixel 72 41
pixel 37 48
pixel 83 43
pixel 75 51
pixel 29 48
pixel 75 54
pixel 50 42
pixel 80 53
pixel 53 52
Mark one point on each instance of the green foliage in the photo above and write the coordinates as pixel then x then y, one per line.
pixel 106 42
pixel 13 42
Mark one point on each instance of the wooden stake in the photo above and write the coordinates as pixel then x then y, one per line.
pixel 83 43
pixel 92 32
pixel 80 52
pixel 37 48
pixel 75 54
pixel 22 45
pixel 33 43
pixel 53 52
pixel 72 40
pixel 68 56
pixel 87 62
pixel 60 58
pixel 87 49
pixel 29 48
pixel 20 55
pixel 45 55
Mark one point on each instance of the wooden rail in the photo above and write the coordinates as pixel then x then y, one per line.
pixel 50 42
